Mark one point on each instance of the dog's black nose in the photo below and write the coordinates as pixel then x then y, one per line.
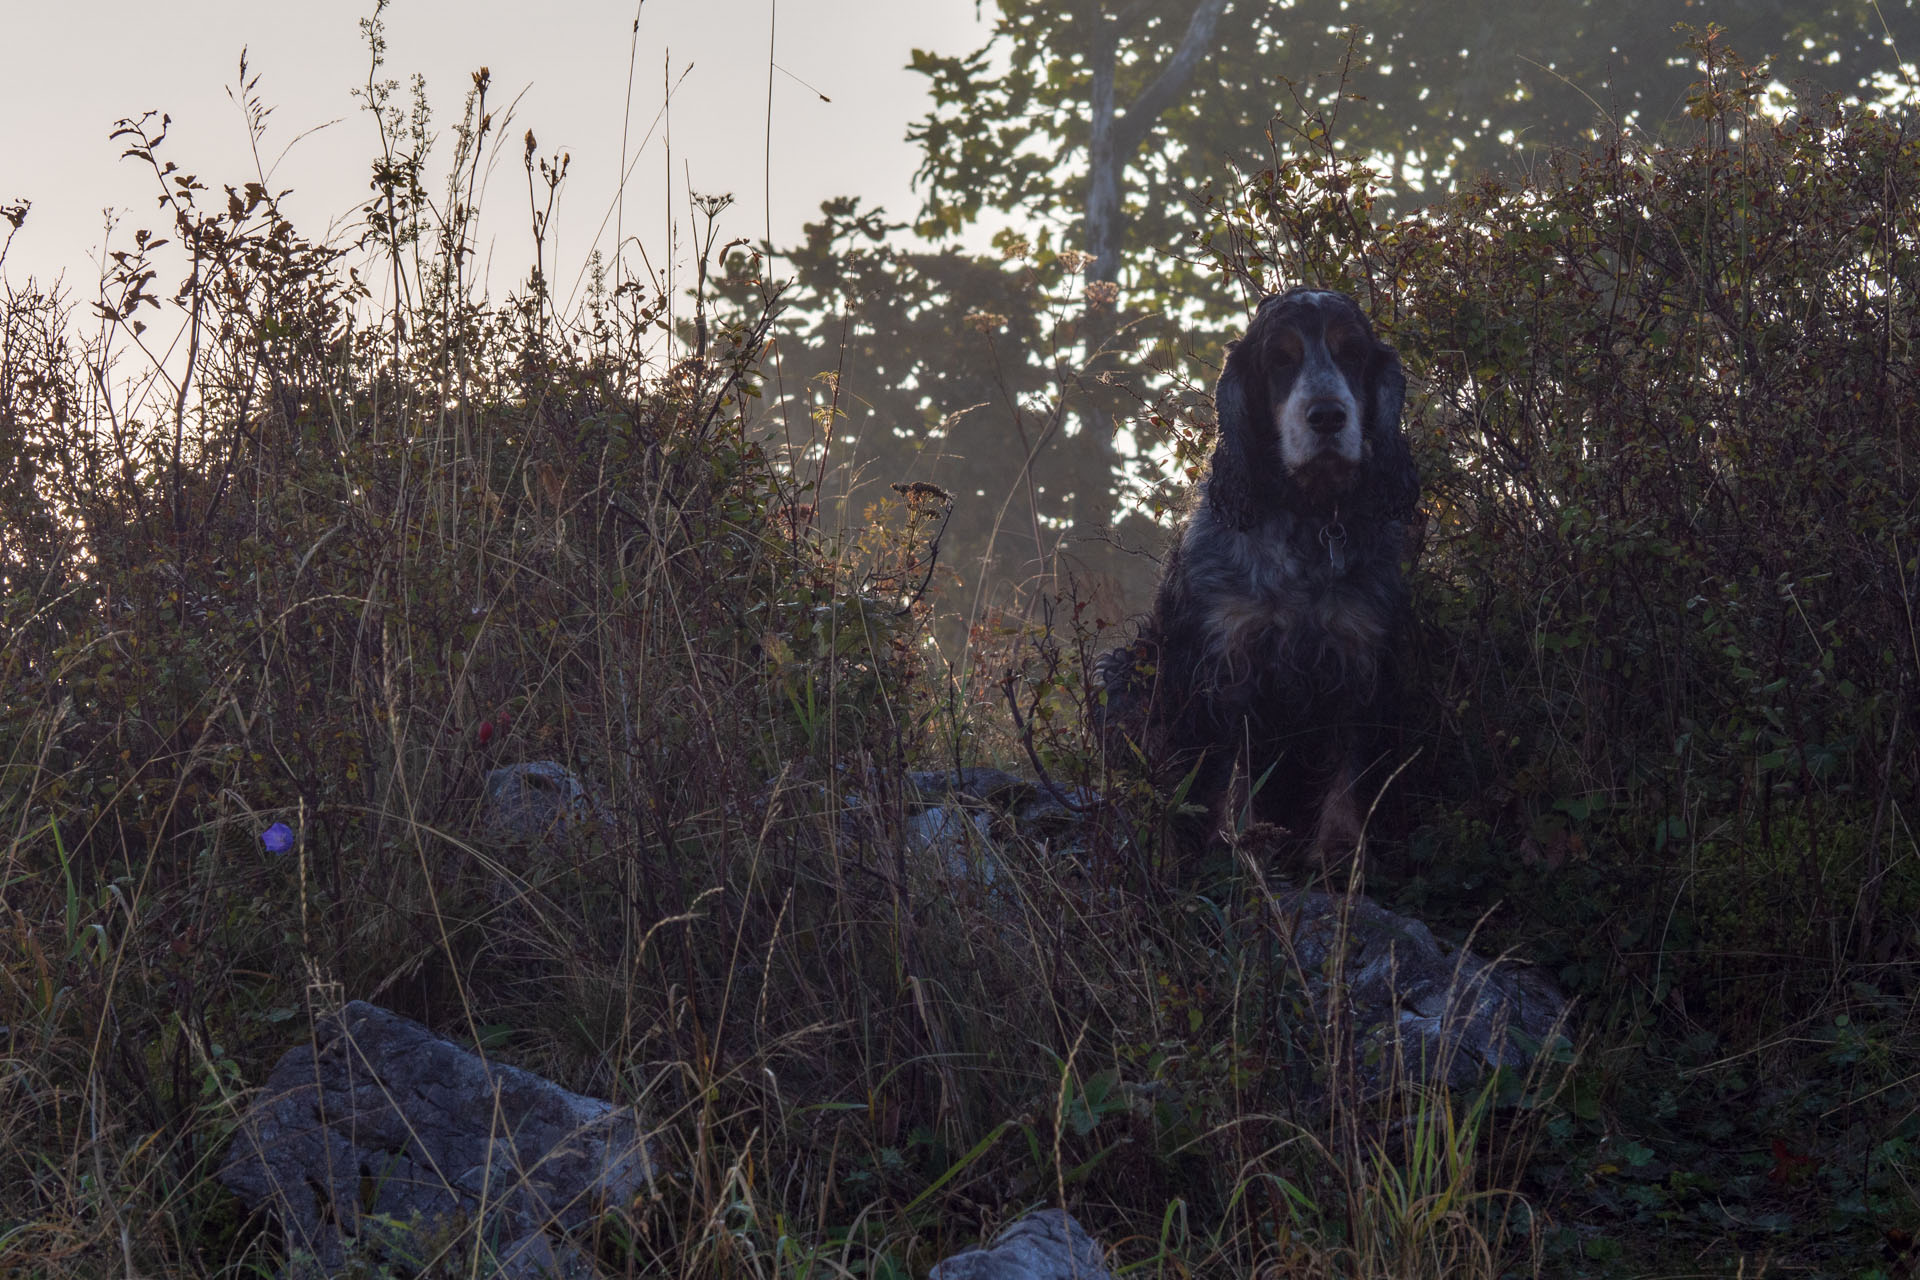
pixel 1326 416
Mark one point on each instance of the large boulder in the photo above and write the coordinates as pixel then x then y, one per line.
pixel 1045 1245
pixel 379 1135
pixel 1442 1014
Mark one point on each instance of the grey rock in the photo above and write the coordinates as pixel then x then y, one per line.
pixel 1031 804
pixel 538 800
pixel 980 784
pixel 379 1116
pixel 957 840
pixel 1038 812
pixel 1044 1245
pixel 536 1257
pixel 1448 1013
pixel 1056 812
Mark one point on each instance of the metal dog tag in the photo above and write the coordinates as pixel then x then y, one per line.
pixel 1334 537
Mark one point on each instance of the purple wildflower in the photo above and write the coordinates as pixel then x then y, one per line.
pixel 278 838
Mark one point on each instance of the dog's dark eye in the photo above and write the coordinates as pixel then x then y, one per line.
pixel 1286 350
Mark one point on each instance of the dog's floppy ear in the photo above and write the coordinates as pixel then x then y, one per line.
pixel 1238 403
pixel 1396 486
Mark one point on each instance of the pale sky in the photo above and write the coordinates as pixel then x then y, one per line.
pixel 75 68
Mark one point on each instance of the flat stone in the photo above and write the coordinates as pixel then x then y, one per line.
pixel 379 1116
pixel 1044 1245
pixel 1449 1014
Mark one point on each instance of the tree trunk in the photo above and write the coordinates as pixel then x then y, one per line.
pixel 1088 457
pixel 1114 141
pixel 1103 165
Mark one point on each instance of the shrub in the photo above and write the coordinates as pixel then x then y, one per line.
pixel 1668 568
pixel 271 611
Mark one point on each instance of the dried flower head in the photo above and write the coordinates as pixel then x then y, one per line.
pixel 917 490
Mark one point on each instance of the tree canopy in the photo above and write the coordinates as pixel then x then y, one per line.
pixel 1159 97
pixel 1104 138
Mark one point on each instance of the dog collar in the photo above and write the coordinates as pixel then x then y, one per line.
pixel 1333 536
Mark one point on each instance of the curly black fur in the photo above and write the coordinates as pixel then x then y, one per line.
pixel 1272 639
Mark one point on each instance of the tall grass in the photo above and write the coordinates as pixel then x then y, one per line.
pixel 358 535
pixel 363 533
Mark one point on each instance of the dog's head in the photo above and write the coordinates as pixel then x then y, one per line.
pixel 1309 411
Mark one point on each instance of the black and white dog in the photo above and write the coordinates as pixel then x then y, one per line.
pixel 1271 644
